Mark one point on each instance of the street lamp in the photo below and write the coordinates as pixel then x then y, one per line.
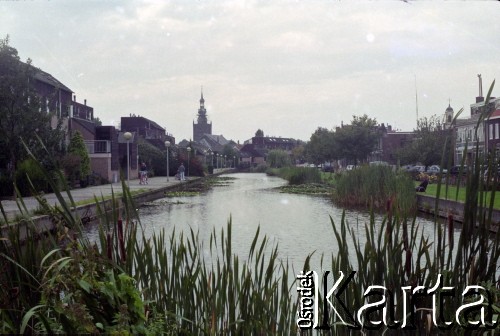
pixel 225 161
pixel 217 160
pixel 167 144
pixel 189 151
pixel 127 136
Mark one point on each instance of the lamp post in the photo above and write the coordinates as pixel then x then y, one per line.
pixel 189 151
pixel 127 136
pixel 167 144
pixel 217 160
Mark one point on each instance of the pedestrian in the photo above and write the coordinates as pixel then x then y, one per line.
pixel 143 174
pixel 182 169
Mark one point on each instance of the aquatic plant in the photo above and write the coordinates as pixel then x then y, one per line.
pixel 372 186
pixel 297 175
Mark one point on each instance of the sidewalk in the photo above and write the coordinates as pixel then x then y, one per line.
pixel 81 194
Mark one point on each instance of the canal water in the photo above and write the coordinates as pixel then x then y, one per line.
pixel 299 224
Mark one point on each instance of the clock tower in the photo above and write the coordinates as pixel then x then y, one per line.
pixel 202 126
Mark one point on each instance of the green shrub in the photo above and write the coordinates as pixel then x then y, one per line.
pixel 29 170
pixel 297 175
pixel 77 147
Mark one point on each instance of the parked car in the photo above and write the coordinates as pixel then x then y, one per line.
pixel 407 167
pixel 417 169
pixel 435 169
pixel 328 169
pixel 455 170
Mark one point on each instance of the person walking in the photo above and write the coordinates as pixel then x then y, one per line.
pixel 143 174
pixel 182 169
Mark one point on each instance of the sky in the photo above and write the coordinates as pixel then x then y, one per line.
pixel 286 67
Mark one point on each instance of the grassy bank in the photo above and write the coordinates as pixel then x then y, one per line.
pixel 458 194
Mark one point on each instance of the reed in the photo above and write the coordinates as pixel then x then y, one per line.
pixel 372 186
pixel 297 175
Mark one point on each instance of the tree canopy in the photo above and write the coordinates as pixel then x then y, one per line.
pixel 357 140
pixel 21 118
pixel 427 148
pixel 321 146
pixel 353 142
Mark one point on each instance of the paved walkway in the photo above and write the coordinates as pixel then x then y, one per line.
pixel 81 194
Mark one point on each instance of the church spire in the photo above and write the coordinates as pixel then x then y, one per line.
pixel 202 101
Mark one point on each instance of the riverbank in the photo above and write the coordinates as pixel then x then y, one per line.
pixel 87 211
pixel 427 204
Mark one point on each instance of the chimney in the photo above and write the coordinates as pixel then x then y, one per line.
pixel 480 98
pixel 74 98
pixel 85 102
pixel 389 128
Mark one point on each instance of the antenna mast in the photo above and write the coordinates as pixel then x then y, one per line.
pixel 416 98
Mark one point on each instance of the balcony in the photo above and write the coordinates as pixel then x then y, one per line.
pixel 98 146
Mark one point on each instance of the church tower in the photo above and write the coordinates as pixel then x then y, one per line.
pixel 202 126
pixel 448 116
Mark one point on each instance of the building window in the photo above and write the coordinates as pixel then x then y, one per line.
pixel 490 135
pixel 497 135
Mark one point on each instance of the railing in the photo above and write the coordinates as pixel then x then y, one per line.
pixel 98 146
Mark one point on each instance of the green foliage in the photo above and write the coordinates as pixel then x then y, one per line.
pixel 23 113
pixel 427 147
pixel 155 159
pixel 353 142
pixel 321 147
pixel 259 133
pixel 373 186
pixel 278 159
pixel 29 177
pixel 71 164
pixel 356 141
pixel 297 175
pixel 77 147
pixel 229 151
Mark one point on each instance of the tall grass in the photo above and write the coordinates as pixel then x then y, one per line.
pixel 297 175
pixel 373 186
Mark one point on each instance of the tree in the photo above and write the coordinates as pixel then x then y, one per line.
pixel 357 140
pixel 97 121
pixel 21 119
pixel 427 147
pixel 230 153
pixel 155 159
pixel 278 159
pixel 259 133
pixel 321 147
pixel 298 152
pixel 78 149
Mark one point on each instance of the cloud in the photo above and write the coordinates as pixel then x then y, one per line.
pixel 281 66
